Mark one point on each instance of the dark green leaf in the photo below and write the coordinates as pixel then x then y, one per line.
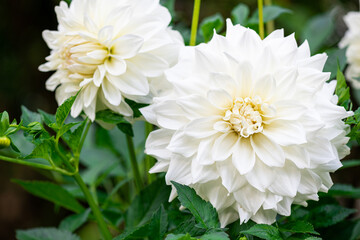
pixel 299 236
pixel 327 215
pixel 335 56
pixel 126 128
pixel 209 24
pixel 111 117
pixel 270 13
pixel 235 228
pixel 136 106
pixel 65 128
pixel 179 237
pixel 46 150
pixel 311 33
pixel 74 138
pixel 350 163
pixel 146 203
pixel 45 234
pixel 14 147
pixel 342 90
pixel 189 226
pixel 47 118
pixel 64 110
pixel 28 116
pixel 73 222
pixel 158 225
pixel 204 212
pixel 4 123
pixel 298 227
pixel 264 231
pixel 240 14
pixel 51 192
pixel 215 236
pixel 343 190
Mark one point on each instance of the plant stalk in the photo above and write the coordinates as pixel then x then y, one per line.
pixel 270 25
pixel 134 164
pixel 195 22
pixel 95 209
pixel 261 19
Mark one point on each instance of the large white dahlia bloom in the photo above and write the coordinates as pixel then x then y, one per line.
pixel 352 41
pixel 251 125
pixel 111 50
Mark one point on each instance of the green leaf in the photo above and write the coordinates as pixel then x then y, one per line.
pixel 209 24
pixel 47 118
pixel 64 110
pixel 298 227
pixel 350 163
pixel 146 203
pixel 51 192
pixel 203 211
pixel 317 38
pixel 336 58
pixel 73 222
pixel 343 190
pixel 302 237
pixel 179 237
pixel 342 90
pixel 66 127
pixel 270 13
pixel 73 139
pixel 215 236
pixel 240 14
pixel 264 231
pixel 158 225
pixel 134 105
pixel 45 234
pixel 111 117
pixel 126 128
pixel 235 228
pixel 328 215
pixel 46 150
pixel 4 123
pixel 189 226
pixel 28 116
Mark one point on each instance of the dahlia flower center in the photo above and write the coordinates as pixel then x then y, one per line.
pixel 82 56
pixel 245 116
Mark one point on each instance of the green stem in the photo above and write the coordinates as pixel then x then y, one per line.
pixel 96 211
pixel 134 164
pixel 270 25
pixel 195 22
pixel 83 137
pixel 261 19
pixel 148 159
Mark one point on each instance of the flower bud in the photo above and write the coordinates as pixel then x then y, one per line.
pixel 4 142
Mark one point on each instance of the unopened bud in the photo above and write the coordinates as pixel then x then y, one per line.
pixel 4 142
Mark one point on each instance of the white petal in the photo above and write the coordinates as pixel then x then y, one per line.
pixel 285 133
pixel 268 151
pixel 111 93
pixel 149 64
pixel 243 157
pixel 223 146
pixel 115 66
pixel 220 98
pixel 127 46
pixel 201 128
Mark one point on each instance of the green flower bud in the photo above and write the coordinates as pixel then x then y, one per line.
pixel 4 142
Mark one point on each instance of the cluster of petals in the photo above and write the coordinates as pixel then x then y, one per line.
pixel 110 50
pixel 352 41
pixel 252 125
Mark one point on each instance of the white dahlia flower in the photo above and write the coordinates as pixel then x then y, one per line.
pixel 112 50
pixel 251 125
pixel 352 41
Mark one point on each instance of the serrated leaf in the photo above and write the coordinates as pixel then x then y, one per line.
pixel 45 150
pixel 204 213
pixel 240 14
pixel 311 33
pixel 144 205
pixel 264 231
pixel 111 117
pixel 179 237
pixel 51 192
pixel 189 226
pixel 328 215
pixel 209 24
pixel 73 139
pixel 64 110
pixel 45 234
pixel 28 116
pixel 73 222
pixel 158 225
pixel 47 118
pixel 65 128
pixel 235 228
pixel 342 90
pixel 215 236
pixel 298 227
pixel 270 13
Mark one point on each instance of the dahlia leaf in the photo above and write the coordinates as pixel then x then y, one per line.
pixel 28 116
pixel 135 107
pixel 126 128
pixel 45 150
pixel 146 203
pixel 179 237
pixel 350 163
pixel 111 117
pixel 73 222
pixel 336 57
pixel 47 118
pixel 311 33
pixel 298 227
pixel 343 190
pixel 270 13
pixel 51 192
pixel 63 111
pixel 158 224
pixel 215 236
pixel 203 211
pixel 65 128
pixel 342 90
pixel 73 138
pixel 4 123
pixel 264 231
pixel 235 228
pixel 45 234
pixel 240 14
pixel 211 24
pixel 328 215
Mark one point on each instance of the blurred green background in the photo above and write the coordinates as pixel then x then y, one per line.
pixel 22 50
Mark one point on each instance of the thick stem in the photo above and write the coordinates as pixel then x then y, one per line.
pixel 261 19
pixel 195 22
pixel 134 164
pixel 270 25
pixel 96 211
